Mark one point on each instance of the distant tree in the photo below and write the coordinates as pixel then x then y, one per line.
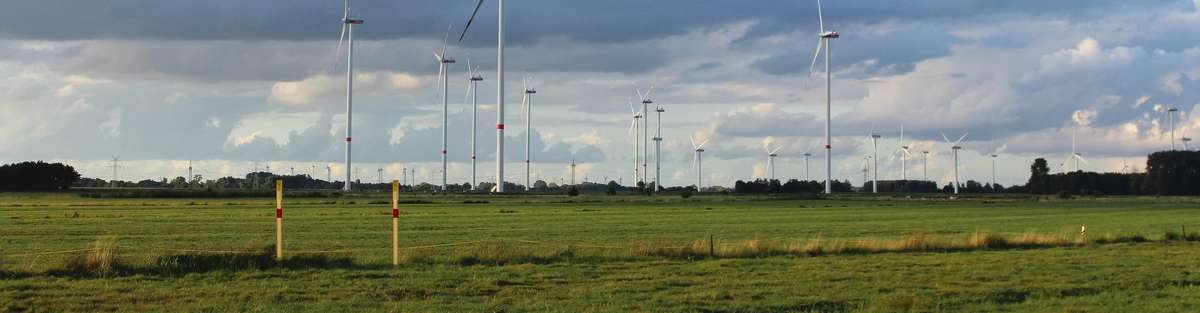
pixel 1173 173
pixel 540 185
pixel 1039 174
pixel 37 176
pixel 613 186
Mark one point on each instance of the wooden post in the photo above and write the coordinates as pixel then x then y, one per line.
pixel 1183 232
pixel 395 222
pixel 279 220
pixel 712 246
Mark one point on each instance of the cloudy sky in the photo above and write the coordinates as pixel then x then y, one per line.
pixel 227 84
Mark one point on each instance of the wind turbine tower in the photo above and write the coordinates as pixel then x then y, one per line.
pixel 658 149
pixel 474 92
pixel 925 166
pixel 954 147
pixel 1171 117
pixel 634 128
pixel 499 87
pixel 875 162
pixel 825 39
pixel 572 171
pixel 994 170
pixel 698 162
pixel 444 62
pixel 527 104
pixel 1186 140
pixel 806 155
pixel 348 34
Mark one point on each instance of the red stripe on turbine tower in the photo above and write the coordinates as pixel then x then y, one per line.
pixel 499 126
pixel 828 147
pixel 347 139
pixel 395 213
pixel 278 213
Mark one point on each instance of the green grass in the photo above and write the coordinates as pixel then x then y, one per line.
pixel 552 253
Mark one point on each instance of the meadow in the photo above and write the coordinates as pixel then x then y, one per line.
pixel 598 253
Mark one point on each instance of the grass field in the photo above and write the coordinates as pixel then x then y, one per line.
pixel 589 254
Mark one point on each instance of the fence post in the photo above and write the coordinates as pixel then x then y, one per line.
pixel 395 222
pixel 712 246
pixel 1183 232
pixel 279 220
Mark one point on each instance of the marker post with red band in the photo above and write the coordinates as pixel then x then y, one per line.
pixel 395 222
pixel 279 220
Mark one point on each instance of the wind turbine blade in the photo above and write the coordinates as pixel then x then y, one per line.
pixel 1081 158
pixel 693 140
pixel 776 149
pixel 816 56
pixel 446 39
pixel 960 139
pixel 702 144
pixel 632 111
pixel 651 90
pixel 820 16
pixel 946 139
pixel 471 20
pixel 641 97
pixel 632 126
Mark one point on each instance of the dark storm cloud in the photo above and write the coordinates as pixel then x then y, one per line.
pixel 529 21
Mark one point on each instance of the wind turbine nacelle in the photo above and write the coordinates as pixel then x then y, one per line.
pixel 448 60
pixel 699 150
pixel 831 35
pixel 530 91
pixel 477 78
pixel 353 21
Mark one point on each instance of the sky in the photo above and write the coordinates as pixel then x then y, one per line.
pixel 229 86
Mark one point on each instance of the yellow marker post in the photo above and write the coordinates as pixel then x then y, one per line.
pixel 395 222
pixel 279 220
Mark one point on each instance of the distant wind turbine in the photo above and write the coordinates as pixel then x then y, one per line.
pixel 526 105
pixel 444 62
pixel 954 147
pixel 499 179
pixel 698 161
pixel 472 90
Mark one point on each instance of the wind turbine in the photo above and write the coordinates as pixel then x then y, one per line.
pixel 444 62
pixel 658 149
pixel 875 159
pixel 348 35
pixel 1074 157
pixel 115 164
pixel 806 155
pixel 994 170
pixel 189 178
pixel 634 126
pixel 771 154
pixel 825 39
pixel 526 103
pixel 925 167
pixel 499 87
pixel 645 99
pixel 698 161
pixel 954 147
pixel 473 92
pixel 904 155
pixel 1186 140
pixel 573 171
pixel 1171 117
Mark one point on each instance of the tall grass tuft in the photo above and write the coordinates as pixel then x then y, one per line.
pixel 102 260
pixel 981 240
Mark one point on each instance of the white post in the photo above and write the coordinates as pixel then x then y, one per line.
pixel 658 151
